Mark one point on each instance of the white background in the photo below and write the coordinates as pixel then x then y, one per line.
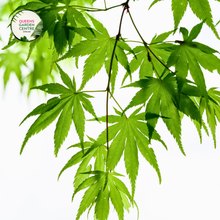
pixel 29 189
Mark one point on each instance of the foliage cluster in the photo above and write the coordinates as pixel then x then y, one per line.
pixel 171 85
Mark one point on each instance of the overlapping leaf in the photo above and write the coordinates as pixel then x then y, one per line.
pixel 145 59
pixel 128 135
pixel 190 56
pixel 100 47
pixel 201 8
pixel 162 103
pixel 99 155
pixel 69 102
pixel 103 187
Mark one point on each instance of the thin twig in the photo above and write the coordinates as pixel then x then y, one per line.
pixel 110 70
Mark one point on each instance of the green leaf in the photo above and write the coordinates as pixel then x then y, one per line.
pixel 51 103
pixel 43 121
pixel 93 64
pixel 79 17
pixel 116 150
pixel 147 152
pixel 85 184
pixel 116 200
pixel 79 119
pixel 54 88
pixel 102 205
pixel 162 37
pixel 83 167
pixel 196 71
pixel 100 158
pixel 124 134
pixel 86 32
pixel 63 126
pixel 131 160
pixel 122 187
pixel 178 8
pixel 66 79
pixel 163 92
pixel 154 2
pixel 11 42
pixel 88 198
pixel 202 10
pixel 76 158
pixel 60 38
pixel 195 32
pixel 6 60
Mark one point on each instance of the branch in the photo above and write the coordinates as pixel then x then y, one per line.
pixel 126 7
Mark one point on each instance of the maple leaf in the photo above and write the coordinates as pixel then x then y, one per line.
pixel 104 187
pixel 100 47
pixel 162 102
pixel 128 135
pixel 189 57
pixel 13 63
pixel 69 102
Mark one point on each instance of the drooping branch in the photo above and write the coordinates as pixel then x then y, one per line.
pixel 125 7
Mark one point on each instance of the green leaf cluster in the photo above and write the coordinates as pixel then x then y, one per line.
pixel 69 106
pixel 170 82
